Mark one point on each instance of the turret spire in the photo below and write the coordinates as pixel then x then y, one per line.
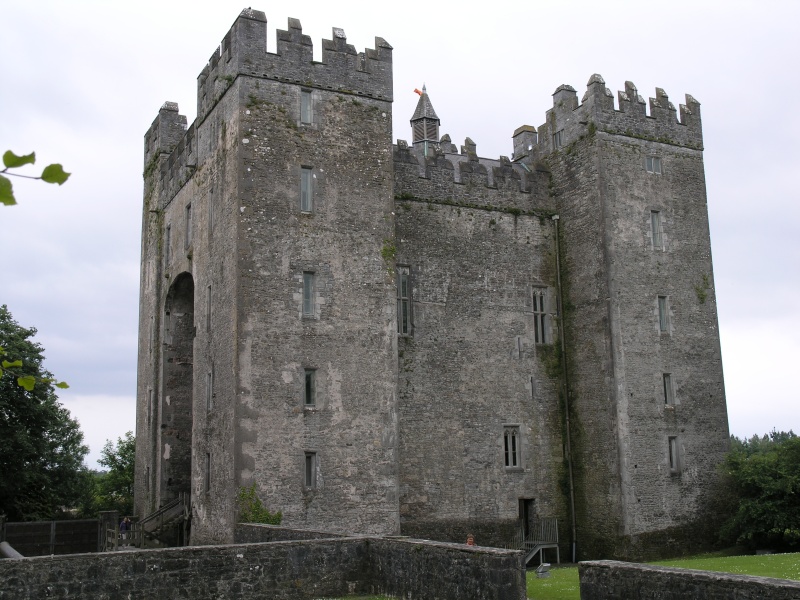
pixel 424 123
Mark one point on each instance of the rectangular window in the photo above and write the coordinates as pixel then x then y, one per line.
pixel 149 405
pixel 167 243
pixel 305 106
pixel 404 300
pixel 663 314
pixel 207 474
pixel 306 190
pixel 309 388
pixel 511 447
pixel 210 389
pixel 674 458
pixel 311 470
pixel 539 316
pixel 655 226
pixel 653 164
pixel 210 212
pixel 308 294
pixel 669 392
pixel 208 308
pixel 557 139
pixel 152 335
pixel 188 241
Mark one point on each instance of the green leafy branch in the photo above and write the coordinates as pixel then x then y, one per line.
pixel 26 381
pixel 51 174
pixel 251 510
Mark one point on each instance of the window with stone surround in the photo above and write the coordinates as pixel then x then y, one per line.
pixel 404 300
pixel 310 477
pixel 308 293
pixel 210 214
pixel 653 164
pixel 208 308
pixel 207 474
pixel 540 315
pixel 188 233
pixel 306 190
pixel 167 244
pixel 305 106
pixel 558 139
pixel 674 455
pixel 210 388
pixel 310 388
pixel 669 390
pixel 656 230
pixel 512 456
pixel 663 314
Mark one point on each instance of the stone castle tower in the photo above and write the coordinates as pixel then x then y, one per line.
pixel 412 339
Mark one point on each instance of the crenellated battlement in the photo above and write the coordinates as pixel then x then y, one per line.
pixel 242 52
pixel 569 120
pixel 165 133
pixel 168 136
pixel 440 174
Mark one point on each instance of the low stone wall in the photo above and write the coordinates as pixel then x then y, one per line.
pixel 414 569
pixel 333 567
pixel 611 580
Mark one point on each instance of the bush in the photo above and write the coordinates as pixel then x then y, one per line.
pixel 251 510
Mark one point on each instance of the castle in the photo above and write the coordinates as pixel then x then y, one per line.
pixel 411 339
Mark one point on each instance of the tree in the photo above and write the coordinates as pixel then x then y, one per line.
pixel 763 476
pixel 51 174
pixel 115 487
pixel 41 449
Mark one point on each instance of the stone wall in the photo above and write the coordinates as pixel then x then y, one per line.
pixel 609 580
pixel 281 570
pixel 477 239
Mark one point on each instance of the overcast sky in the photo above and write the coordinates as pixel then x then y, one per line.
pixel 82 81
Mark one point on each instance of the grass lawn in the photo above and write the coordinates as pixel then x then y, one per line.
pixel 563 583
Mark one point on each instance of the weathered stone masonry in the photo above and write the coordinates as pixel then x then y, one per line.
pixel 371 333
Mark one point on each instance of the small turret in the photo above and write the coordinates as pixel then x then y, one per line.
pixel 424 123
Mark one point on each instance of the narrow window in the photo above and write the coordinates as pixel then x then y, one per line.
pixel 152 335
pixel 557 137
pixel 663 314
pixel 207 477
pixel 208 308
pixel 210 389
pixel 511 447
pixel 188 238
pixel 655 226
pixel 403 301
pixel 167 243
pixel 653 164
pixel 311 470
pixel 309 388
pixel 539 317
pixel 669 392
pixel 210 213
pixel 305 106
pixel 149 406
pixel 147 479
pixel 674 460
pixel 308 294
pixel 306 190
